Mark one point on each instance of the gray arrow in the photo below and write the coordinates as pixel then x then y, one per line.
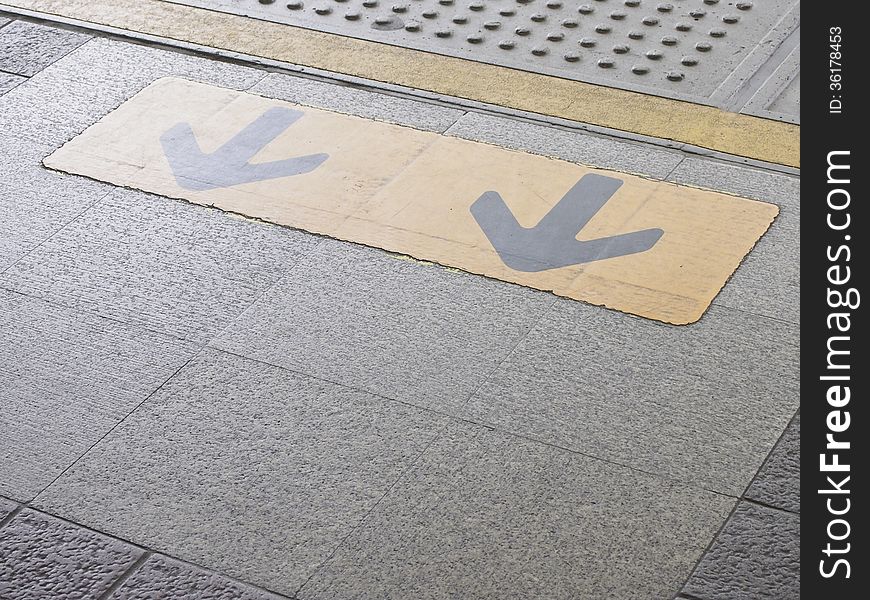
pixel 553 243
pixel 228 165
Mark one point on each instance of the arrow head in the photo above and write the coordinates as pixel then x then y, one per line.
pixel 229 165
pixel 553 243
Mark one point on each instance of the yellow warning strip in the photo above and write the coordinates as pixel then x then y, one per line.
pixel 643 114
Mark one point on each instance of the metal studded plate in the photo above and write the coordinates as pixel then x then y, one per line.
pixel 705 51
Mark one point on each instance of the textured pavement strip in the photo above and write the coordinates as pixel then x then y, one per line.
pixel 27 48
pixel 42 556
pixel 757 554
pixel 349 555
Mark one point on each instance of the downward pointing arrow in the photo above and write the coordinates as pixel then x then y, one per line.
pixel 228 165
pixel 553 243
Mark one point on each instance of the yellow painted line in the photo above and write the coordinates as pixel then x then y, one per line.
pixel 416 193
pixel 643 114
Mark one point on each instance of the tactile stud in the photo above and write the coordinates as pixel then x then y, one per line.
pixel 730 19
pixel 717 33
pixel 555 36
pixel 665 7
pixel 602 28
pixel 674 76
pixel 689 61
pixel 654 54
pixel 640 70
pixel 703 46
pixel 569 23
pixel 295 5
pixel 505 45
pixel 621 49
pixel 605 63
pixel 669 40
pixel 571 57
pixel 587 42
pixel 585 9
pixel 650 21
pixel 539 51
pixel 523 31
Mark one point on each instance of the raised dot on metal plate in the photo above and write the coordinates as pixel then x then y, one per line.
pixel 388 23
pixel 352 15
pixel 460 19
pixel 323 10
pixel 665 7
pixel 474 39
pixel 650 21
pixel 730 19
pixel 538 18
pixel 267 1
pixel 717 33
pixel 507 12
pixel 492 25
pixel 571 56
pixel 674 76
pixel 539 51
pixel 370 3
pixel 412 26
pixel 602 28
pixel 689 61
pixel 711 1
pixel 744 5
pixel 669 40
pixel 632 3
pixel 506 44
pixel 585 9
pixel 587 42
pixel 621 49
pixel 554 4
pixel 569 23
pixel 295 5
pixel 476 6
pixel 683 26
pixel 445 2
pixel 430 14
pixel 341 1
pixel 653 54
pixel 617 15
pixel 697 13
pixel 525 1
pixel 635 35
pixel 400 8
pixel 703 46
pixel 555 36
pixel 443 33
pixel 523 31
pixel 640 70
pixel 605 63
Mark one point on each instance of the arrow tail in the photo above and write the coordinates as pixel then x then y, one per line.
pixel 579 205
pixel 255 136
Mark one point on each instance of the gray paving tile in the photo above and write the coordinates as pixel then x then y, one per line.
pixel 756 556
pixel 248 469
pixel 59 102
pixel 35 202
pixel 405 330
pixel 173 267
pixel 43 557
pixel 574 146
pixel 362 103
pixel 485 515
pixel 778 483
pixel 162 577
pixel 8 81
pixel 67 379
pixel 768 281
pixel 703 403
pixel 6 507
pixel 27 48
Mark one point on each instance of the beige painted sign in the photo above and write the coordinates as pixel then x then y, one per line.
pixel 649 248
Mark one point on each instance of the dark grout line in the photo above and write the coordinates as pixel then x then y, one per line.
pixel 5 521
pixel 122 579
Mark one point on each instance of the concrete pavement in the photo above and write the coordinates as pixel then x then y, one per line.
pixel 199 405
